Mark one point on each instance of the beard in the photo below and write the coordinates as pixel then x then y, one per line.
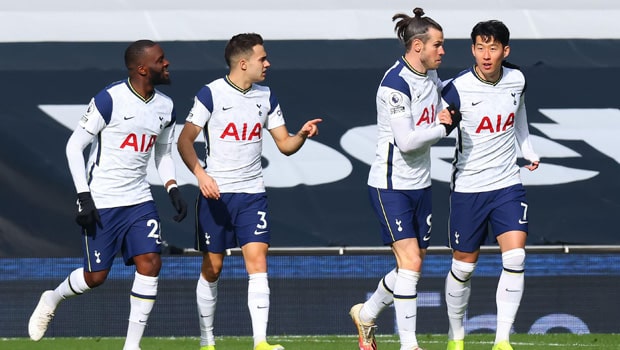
pixel 160 78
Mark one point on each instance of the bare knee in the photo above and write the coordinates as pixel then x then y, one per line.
pixel 148 264
pixel 212 266
pixel 95 279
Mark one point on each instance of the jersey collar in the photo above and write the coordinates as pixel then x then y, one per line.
pixel 493 83
pixel 145 100
pixel 236 87
pixel 404 61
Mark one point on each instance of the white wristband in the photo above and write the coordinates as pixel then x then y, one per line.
pixel 171 187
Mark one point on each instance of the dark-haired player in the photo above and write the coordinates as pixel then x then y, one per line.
pixel 126 122
pixel 486 188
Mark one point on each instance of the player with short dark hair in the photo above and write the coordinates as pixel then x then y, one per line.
pixel 410 118
pixel 486 188
pixel 126 123
pixel 233 112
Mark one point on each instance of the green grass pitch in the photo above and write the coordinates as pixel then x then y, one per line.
pixel 326 342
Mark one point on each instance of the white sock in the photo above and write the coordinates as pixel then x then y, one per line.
pixel 73 285
pixel 206 298
pixel 141 300
pixel 258 303
pixel 380 299
pixel 509 292
pixel 405 305
pixel 458 290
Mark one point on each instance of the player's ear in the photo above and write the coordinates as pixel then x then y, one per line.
pixel 141 69
pixel 243 64
pixel 417 45
pixel 506 51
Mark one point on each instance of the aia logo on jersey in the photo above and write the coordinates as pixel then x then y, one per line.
pixel 427 116
pixel 142 143
pixel 243 132
pixel 500 124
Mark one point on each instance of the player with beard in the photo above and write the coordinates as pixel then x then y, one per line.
pixel 126 123
pixel 410 118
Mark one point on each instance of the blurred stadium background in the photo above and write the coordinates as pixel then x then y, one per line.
pixel 327 59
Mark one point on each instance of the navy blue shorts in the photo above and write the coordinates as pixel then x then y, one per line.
pixel 471 214
pixel 132 230
pixel 403 214
pixel 232 221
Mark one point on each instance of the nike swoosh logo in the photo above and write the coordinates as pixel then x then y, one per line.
pixel 226 108
pixel 258 233
pixel 204 316
pixel 142 321
pixel 127 118
pixel 157 241
pixel 409 316
pixel 262 307
pixel 521 222
pixel 512 290
pixel 476 103
pixel 426 238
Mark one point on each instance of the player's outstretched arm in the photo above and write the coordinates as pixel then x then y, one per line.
pixel 289 144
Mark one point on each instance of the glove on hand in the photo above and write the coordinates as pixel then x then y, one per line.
pixel 178 203
pixel 456 118
pixel 87 215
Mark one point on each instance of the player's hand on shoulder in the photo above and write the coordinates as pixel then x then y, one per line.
pixel 87 215
pixel 178 203
pixel 310 128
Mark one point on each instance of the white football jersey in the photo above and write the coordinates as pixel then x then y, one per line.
pixel 233 120
pixel 126 128
pixel 493 117
pixel 405 93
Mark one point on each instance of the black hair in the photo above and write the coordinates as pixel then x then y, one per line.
pixel 491 30
pixel 241 44
pixel 134 51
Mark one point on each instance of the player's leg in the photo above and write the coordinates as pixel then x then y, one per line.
pixel 381 298
pixel 212 240
pixel 458 291
pixel 405 218
pixel 410 253
pixel 409 258
pixel 255 257
pixel 142 247
pixel 73 285
pixel 510 220
pixel 206 296
pixel 99 255
pixel 253 234
pixel 365 314
pixel 467 230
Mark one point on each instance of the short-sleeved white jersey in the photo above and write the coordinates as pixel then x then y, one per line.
pixel 233 120
pixel 126 127
pixel 405 93
pixel 494 117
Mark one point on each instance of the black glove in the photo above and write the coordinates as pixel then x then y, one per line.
pixel 178 203
pixel 456 119
pixel 87 215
